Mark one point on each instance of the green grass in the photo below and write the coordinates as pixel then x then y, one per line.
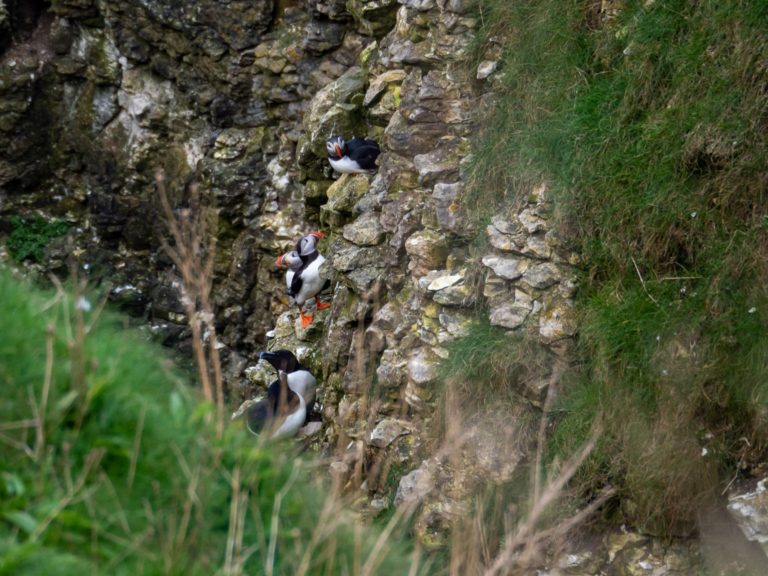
pixel 29 237
pixel 650 129
pixel 130 478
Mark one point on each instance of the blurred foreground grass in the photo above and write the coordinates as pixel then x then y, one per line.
pixel 109 463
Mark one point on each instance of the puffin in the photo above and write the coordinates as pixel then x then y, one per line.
pixel 300 380
pixel 358 156
pixel 305 282
pixel 281 413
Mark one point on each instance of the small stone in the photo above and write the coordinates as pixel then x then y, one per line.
pixel 365 231
pixel 542 276
pixel 414 486
pixel 347 257
pixel 427 250
pixel 435 166
pixel 449 209
pixel 456 324
pixel 750 511
pixel 444 281
pixel 459 294
pixel 503 241
pixel 345 192
pixel 422 366
pixel 505 267
pixel 531 222
pixel 379 84
pixel 538 247
pixel 486 68
pixel 391 372
pixel 511 315
pixel 387 431
pixel 557 322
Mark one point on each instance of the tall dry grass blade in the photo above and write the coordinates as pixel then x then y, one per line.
pixel 193 254
pixel 135 449
pixel 234 501
pixel 374 557
pixel 523 534
pixel 92 460
pixel 47 378
pixel 269 568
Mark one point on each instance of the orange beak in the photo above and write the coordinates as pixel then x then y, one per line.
pixel 339 153
pixel 279 261
pixel 319 235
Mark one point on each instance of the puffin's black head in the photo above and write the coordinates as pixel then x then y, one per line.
pixel 336 147
pixel 290 260
pixel 281 360
pixel 308 244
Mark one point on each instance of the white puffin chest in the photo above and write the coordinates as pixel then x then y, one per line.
pixel 346 165
pixel 292 422
pixel 304 384
pixel 311 282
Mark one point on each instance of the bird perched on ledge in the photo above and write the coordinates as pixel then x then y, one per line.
pixel 304 281
pixel 281 413
pixel 300 380
pixel 358 156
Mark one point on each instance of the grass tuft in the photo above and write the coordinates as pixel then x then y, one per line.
pixel 647 121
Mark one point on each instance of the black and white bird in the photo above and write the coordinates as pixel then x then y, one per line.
pixel 358 156
pixel 281 413
pixel 305 281
pixel 300 379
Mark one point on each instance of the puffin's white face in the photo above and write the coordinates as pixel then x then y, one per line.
pixel 308 245
pixel 335 146
pixel 292 259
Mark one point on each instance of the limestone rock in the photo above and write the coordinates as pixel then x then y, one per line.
pixel 542 276
pixel 414 486
pixel 436 166
pixel 422 366
pixel 387 431
pixel 365 231
pixel 391 372
pixel 379 84
pixel 347 190
pixel 373 17
pixel 750 510
pixel 486 68
pixel 449 209
pixel 506 267
pixel 454 291
pixel 557 321
pixel 509 315
pixel 427 251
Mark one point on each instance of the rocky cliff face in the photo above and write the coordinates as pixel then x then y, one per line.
pixel 239 97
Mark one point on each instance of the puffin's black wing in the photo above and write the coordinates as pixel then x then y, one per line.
pixel 364 152
pixel 260 414
pixel 296 283
pixel 358 143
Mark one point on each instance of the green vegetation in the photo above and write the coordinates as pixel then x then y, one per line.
pixel 110 463
pixel 648 125
pixel 30 236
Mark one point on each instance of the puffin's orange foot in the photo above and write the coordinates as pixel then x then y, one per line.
pixel 306 320
pixel 322 305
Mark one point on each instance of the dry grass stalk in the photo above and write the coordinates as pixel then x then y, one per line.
pixel 193 253
pixel 92 461
pixel 41 411
pixel 524 535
